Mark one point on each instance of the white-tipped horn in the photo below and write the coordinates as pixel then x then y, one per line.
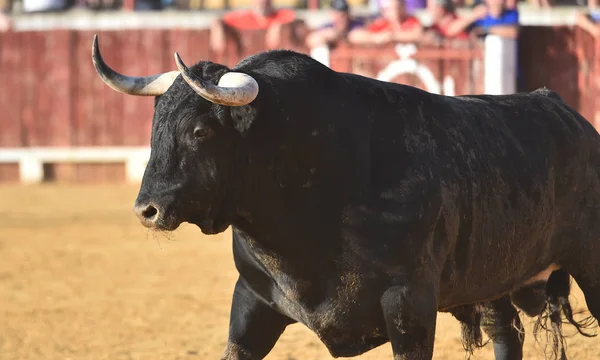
pixel 142 86
pixel 234 88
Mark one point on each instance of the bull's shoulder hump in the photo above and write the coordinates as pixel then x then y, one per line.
pixel 549 93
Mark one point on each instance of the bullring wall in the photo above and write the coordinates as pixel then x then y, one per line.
pixel 51 96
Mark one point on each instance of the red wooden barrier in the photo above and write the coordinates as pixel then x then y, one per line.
pixel 566 60
pixel 51 94
pixel 458 62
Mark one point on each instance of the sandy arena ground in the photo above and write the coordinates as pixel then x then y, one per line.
pixel 80 278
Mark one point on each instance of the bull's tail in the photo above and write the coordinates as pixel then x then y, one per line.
pixel 558 289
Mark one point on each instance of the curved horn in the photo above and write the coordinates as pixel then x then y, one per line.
pixel 234 88
pixel 143 86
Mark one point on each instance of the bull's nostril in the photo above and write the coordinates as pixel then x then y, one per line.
pixel 149 212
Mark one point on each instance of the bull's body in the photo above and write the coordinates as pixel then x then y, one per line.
pixel 360 208
pixel 478 194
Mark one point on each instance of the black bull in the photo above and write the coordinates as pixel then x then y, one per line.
pixel 360 208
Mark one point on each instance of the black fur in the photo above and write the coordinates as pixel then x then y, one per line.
pixel 557 303
pixel 531 299
pixel 360 208
pixel 470 323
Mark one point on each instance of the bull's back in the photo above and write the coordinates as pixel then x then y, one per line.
pixel 532 139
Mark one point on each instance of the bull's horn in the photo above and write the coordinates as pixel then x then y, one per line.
pixel 143 86
pixel 234 88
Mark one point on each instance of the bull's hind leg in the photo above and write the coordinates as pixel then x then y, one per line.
pixel 502 324
pixel 584 266
pixel 557 304
pixel 583 261
pixel 587 277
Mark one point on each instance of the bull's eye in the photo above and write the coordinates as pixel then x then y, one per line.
pixel 201 132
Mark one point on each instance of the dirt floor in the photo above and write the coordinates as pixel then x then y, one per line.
pixel 80 278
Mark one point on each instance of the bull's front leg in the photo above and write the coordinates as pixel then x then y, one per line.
pixel 410 313
pixel 253 326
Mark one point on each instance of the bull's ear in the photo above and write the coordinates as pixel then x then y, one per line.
pixel 243 117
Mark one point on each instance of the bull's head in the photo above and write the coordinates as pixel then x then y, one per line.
pixel 198 122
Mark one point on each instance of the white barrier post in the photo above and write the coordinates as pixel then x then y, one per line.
pixel 500 65
pixel 31 169
pixel 321 54
pixel 135 166
pixel 31 160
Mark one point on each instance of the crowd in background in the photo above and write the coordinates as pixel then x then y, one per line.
pixel 396 24
pixel 591 20
pixel 394 20
pixel 411 5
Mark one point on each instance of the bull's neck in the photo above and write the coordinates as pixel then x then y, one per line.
pixel 298 186
pixel 294 214
pixel 290 219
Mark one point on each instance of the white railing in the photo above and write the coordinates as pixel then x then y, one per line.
pixel 31 160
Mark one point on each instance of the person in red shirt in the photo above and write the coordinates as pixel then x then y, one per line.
pixel 443 15
pixel 263 16
pixel 395 25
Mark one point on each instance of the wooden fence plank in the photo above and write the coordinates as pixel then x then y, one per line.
pixel 60 54
pixel 85 77
pixel 26 83
pixel 11 91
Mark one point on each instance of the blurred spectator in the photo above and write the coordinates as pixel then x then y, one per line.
pixel 492 17
pixel 411 5
pixel 191 4
pixel 105 4
pixel 443 16
pixel 42 6
pixel 6 6
pixel 539 3
pixel 337 29
pixel 395 25
pixel 5 22
pixel 509 4
pixel 142 5
pixel 263 16
pixel 590 21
